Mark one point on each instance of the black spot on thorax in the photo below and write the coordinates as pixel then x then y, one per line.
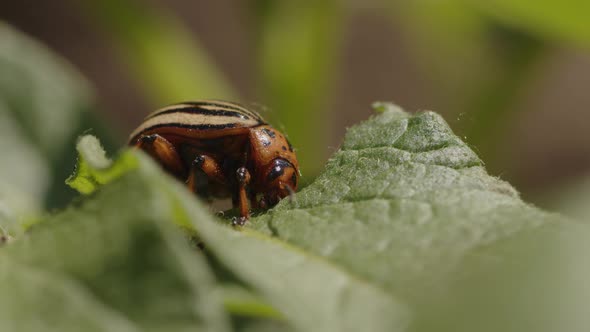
pixel 269 132
pixel 265 141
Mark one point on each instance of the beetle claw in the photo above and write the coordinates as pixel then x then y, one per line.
pixel 291 192
pixel 239 221
pixel 198 161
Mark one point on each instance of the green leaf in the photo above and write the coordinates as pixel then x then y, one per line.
pixel 534 280
pixel 571 198
pixel 114 263
pixel 36 300
pixel 240 301
pixel 350 304
pixel 405 204
pixel 310 292
pixel 404 231
pixel 400 184
pixel 24 176
pixel 93 168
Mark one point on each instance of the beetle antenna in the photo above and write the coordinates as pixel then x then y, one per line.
pixel 289 189
pixel 291 192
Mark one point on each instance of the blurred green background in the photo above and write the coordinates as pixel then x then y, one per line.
pixel 511 77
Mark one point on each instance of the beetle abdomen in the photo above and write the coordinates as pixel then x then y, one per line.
pixel 199 119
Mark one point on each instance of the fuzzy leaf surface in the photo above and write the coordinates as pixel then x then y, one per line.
pixel 408 206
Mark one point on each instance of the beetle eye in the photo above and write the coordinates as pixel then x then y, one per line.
pixel 281 180
pixel 278 169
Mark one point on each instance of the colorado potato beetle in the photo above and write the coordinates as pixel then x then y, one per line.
pixel 221 149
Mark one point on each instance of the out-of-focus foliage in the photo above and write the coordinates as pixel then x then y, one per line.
pixel 114 264
pixel 41 91
pixel 24 176
pixel 167 62
pixel 297 57
pixel 560 21
pixel 478 65
pixel 571 198
pixel 481 57
pixel 44 106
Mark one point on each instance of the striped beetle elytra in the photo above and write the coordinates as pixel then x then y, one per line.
pixel 221 149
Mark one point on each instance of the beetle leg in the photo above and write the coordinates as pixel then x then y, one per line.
pixel 162 150
pixel 243 177
pixel 207 165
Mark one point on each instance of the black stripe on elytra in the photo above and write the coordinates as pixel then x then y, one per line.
pixel 227 104
pixel 185 126
pixel 197 110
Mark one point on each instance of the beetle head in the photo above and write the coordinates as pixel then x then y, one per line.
pixel 279 180
pixel 274 163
